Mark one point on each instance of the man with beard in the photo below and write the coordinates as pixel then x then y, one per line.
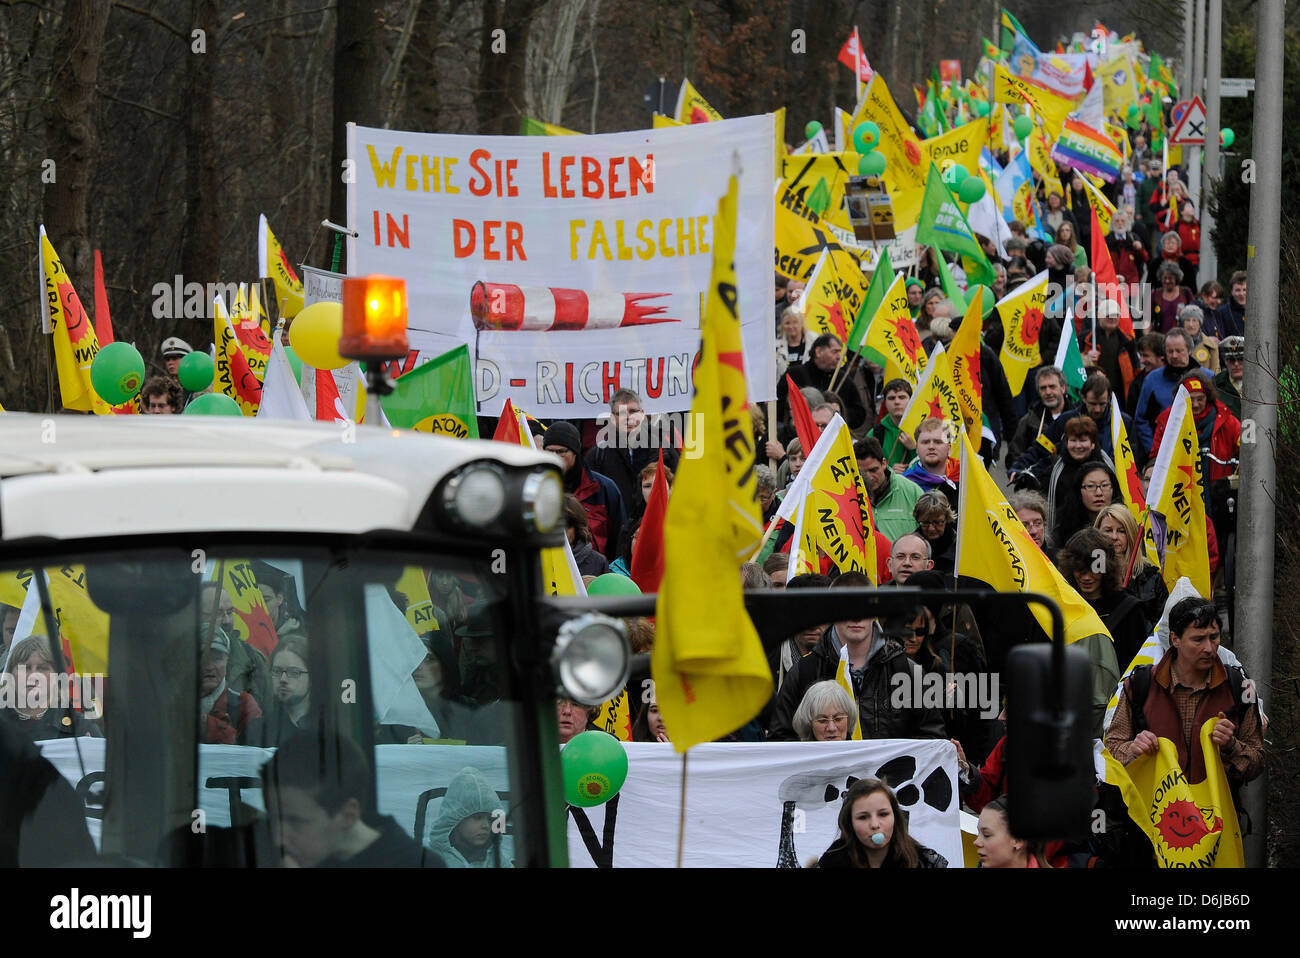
pixel 1160 387
pixel 292 696
pixel 873 661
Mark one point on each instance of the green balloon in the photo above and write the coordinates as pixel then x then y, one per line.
pixel 611 583
pixel 295 363
pixel 955 174
pixel 213 404
pixel 195 372
pixel 1023 126
pixel 811 130
pixel 1227 137
pixel 971 190
pixel 865 136
pixel 981 108
pixel 989 298
pixel 117 373
pixel 1134 111
pixel 595 768
pixel 871 164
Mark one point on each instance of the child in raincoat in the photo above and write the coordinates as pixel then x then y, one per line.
pixel 469 831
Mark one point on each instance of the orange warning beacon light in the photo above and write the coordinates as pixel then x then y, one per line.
pixel 374 318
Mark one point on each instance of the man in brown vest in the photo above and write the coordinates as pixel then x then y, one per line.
pixel 1189 686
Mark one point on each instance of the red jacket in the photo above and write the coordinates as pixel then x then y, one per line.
pixel 1190 234
pixel 1225 439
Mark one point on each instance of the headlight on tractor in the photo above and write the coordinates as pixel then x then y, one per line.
pixel 591 658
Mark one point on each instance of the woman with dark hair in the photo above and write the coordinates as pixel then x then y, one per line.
pixel 649 724
pixel 1121 613
pixel 589 561
pixel 998 848
pixel 627 542
pixel 1079 448
pixel 937 524
pixel 873 833
pixel 1095 486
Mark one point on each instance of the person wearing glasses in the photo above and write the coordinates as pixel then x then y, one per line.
pixel 826 714
pixel 1095 486
pixel 291 681
pixel 936 522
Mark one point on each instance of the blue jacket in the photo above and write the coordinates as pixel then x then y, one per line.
pixel 1158 391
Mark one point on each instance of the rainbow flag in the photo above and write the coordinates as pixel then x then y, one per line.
pixel 1080 147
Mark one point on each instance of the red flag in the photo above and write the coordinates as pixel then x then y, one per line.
pixel 329 404
pixel 1103 270
pixel 508 425
pixel 807 430
pixel 648 556
pixel 851 56
pixel 103 322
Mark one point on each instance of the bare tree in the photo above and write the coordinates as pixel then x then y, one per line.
pixel 553 59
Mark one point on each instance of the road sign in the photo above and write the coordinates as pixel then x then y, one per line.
pixel 1190 129
pixel 1236 86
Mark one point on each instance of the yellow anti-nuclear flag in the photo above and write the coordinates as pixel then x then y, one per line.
pixel 1040 160
pixel 1175 493
pixel 232 376
pixel 935 397
pixel 1105 209
pixel 252 618
pixel 905 165
pixel 419 611
pixel 837 509
pixel 892 334
pixel 802 174
pixel 80 622
pixel 994 549
pixel 835 293
pixel 1126 470
pixel 659 122
pixel 845 681
pixel 1021 311
pixel 711 675
pixel 801 236
pixel 693 108
pixel 272 262
pixel 75 343
pixel 1052 109
pixel 964 361
pixel 961 145
pixel 1190 825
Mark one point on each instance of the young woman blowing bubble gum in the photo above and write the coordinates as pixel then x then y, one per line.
pixel 873 833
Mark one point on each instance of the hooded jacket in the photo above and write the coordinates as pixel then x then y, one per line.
pixel 877 717
pixel 1225 437
pixel 468 794
pixel 1037 455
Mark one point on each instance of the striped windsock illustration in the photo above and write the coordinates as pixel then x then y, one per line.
pixel 504 306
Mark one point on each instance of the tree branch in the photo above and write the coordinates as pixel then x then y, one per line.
pixel 150 15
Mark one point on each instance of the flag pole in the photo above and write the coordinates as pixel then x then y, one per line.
pixel 681 816
pixel 1093 311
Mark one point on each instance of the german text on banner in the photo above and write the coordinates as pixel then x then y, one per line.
pixel 1190 825
pixel 571 266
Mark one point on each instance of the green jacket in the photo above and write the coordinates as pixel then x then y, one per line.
pixel 893 511
pixel 886 431
pixel 1229 394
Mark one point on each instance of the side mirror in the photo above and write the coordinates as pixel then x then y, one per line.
pixel 1050 777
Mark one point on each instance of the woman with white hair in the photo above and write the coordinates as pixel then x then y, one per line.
pixel 39 705
pixel 826 714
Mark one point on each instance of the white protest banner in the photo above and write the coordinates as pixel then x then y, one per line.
pixel 762 805
pixel 572 267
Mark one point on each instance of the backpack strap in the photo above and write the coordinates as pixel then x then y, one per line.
pixel 1237 682
pixel 1139 685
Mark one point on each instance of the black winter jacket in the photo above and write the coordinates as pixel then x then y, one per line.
pixel 876 716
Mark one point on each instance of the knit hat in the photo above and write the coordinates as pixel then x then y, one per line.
pixel 914 282
pixel 564 434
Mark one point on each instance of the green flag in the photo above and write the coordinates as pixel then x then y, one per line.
pixel 819 199
pixel 437 396
pixel 880 280
pixel 950 288
pixel 942 224
pixel 1069 360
